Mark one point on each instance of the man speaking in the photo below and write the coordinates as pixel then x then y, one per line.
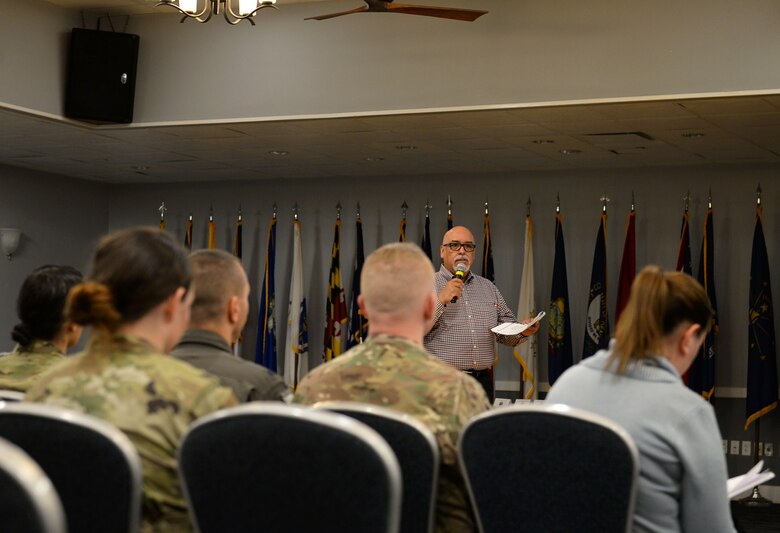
pixel 468 306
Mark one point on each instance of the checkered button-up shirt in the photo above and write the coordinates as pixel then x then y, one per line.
pixel 461 334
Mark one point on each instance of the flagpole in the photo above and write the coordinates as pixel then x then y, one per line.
pixel 402 225
pixel 449 212
pixel 755 499
pixel 162 209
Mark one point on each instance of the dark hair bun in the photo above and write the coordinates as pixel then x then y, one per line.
pixel 91 303
pixel 21 335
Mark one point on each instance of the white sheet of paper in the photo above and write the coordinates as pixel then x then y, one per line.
pixel 513 328
pixel 753 477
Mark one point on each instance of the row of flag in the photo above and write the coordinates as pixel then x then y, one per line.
pixel 762 394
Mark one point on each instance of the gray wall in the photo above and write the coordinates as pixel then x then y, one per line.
pixel 61 218
pixel 33 50
pixel 520 53
pixel 659 204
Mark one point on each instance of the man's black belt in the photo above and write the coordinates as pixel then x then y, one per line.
pixel 475 372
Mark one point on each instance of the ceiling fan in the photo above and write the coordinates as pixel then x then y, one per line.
pixel 380 6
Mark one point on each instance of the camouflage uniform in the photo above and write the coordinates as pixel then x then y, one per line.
pixel 20 368
pixel 397 373
pixel 152 398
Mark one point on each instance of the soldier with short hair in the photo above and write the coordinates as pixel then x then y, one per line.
pixel 219 313
pixel 392 369
pixel 137 300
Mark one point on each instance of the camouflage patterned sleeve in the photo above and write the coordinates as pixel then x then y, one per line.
pixel 469 399
pixel 213 398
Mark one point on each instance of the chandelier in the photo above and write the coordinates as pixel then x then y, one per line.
pixel 190 9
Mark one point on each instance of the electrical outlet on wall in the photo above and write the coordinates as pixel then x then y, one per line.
pixel 760 449
pixel 745 447
pixel 768 449
pixel 734 450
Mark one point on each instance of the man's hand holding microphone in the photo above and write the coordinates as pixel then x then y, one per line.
pixel 454 288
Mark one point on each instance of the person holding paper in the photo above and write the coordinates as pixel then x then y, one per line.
pixel 636 382
pixel 467 307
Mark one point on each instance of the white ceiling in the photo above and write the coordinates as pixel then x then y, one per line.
pixel 728 130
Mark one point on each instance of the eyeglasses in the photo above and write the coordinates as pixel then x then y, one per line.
pixel 456 245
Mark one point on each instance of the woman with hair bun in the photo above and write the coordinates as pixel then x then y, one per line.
pixel 43 336
pixel 637 383
pixel 137 300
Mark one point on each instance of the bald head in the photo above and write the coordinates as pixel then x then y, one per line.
pixel 218 278
pixel 459 235
pixel 397 279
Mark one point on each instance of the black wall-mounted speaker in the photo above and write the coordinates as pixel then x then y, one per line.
pixel 101 72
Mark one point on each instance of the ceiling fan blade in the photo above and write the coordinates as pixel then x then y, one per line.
pixel 341 14
pixel 468 15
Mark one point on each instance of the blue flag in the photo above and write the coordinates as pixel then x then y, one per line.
pixel 701 375
pixel 762 362
pixel 265 350
pixel 559 349
pixel 358 324
pixel 597 321
pixel 426 240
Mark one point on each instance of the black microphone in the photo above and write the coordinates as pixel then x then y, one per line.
pixel 460 273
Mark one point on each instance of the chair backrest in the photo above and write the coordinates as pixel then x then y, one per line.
pixel 275 467
pixel 549 468
pixel 417 452
pixel 94 467
pixel 7 395
pixel 28 501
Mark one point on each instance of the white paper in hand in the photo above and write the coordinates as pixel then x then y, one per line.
pixel 753 477
pixel 513 328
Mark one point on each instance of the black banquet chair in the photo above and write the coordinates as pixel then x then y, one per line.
pixel 417 452
pixel 549 469
pixel 28 501
pixel 281 468
pixel 94 467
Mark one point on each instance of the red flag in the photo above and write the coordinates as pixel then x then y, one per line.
pixel 627 265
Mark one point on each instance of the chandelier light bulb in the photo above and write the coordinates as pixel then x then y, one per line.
pixel 190 6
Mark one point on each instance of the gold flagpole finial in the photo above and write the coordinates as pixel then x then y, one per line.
pixel 487 209
pixel 357 211
pixel 449 205
pixel 632 202
pixel 190 217
pixel 240 216
pixel 428 207
pixel 528 207
pixel 338 210
pixel 162 209
pixel 758 195
pixel 211 213
pixel 687 199
pixel 709 198
pixel 404 207
pixel 558 203
pixel 274 215
pixel 295 211
pixel 604 200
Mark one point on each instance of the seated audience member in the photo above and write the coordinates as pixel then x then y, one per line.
pixel 637 383
pixel 219 313
pixel 392 369
pixel 43 336
pixel 137 299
